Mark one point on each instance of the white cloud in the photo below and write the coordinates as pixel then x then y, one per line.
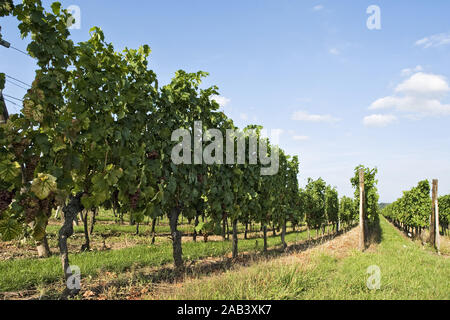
pixel 413 105
pixel 305 116
pixel 409 71
pixel 222 101
pixel 244 116
pixel 424 84
pixel 318 7
pixel 300 138
pixel 419 96
pixel 334 51
pixel 379 120
pixel 435 40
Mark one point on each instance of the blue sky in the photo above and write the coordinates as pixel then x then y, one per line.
pixel 342 94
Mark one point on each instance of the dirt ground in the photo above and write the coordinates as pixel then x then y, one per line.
pixel 151 282
pixel 338 247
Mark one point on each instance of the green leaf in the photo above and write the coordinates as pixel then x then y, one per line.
pixel 172 186
pixel 113 176
pixel 39 227
pixel 87 201
pixel 2 81
pixel 200 226
pixel 56 8
pixel 9 170
pixel 10 229
pixel 43 185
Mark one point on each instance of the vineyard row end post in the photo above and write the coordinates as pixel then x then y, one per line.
pixel 434 225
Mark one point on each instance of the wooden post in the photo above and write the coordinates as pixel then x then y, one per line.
pixel 438 235
pixel 433 215
pixel 434 224
pixel 362 235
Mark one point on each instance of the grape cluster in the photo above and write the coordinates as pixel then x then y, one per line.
pixel 152 155
pixel 6 198
pixel 30 167
pixel 19 147
pixel 33 206
pixel 115 196
pixel 134 199
pixel 114 199
pixel 46 205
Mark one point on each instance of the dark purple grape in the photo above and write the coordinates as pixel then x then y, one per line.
pixel 6 197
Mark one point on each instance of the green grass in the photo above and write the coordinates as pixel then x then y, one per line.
pixel 23 274
pixel 407 272
pixel 117 228
pixel 105 224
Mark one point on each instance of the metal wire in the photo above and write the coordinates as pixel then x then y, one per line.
pixel 21 51
pixel 11 97
pixel 18 80
pixel 13 103
pixel 17 85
